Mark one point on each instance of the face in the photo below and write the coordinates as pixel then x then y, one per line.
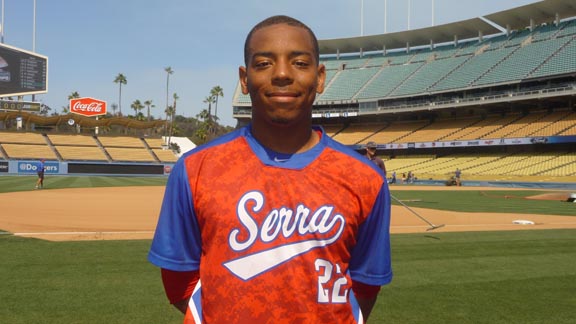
pixel 282 76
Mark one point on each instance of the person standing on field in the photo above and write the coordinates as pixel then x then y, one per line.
pixel 371 155
pixel 41 169
pixel 457 175
pixel 290 234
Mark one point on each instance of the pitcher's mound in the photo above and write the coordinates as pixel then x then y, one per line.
pixel 559 196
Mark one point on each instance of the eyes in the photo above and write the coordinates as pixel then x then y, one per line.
pixel 265 62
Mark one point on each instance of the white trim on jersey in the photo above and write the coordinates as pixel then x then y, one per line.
pixel 195 303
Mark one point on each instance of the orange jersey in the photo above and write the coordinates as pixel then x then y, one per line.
pixel 277 239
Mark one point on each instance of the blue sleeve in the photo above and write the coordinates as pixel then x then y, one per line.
pixel 371 260
pixel 177 242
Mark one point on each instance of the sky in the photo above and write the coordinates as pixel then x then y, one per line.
pixel 89 42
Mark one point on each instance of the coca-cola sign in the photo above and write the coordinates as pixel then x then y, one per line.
pixel 88 107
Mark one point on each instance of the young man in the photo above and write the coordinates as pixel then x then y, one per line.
pixel 296 233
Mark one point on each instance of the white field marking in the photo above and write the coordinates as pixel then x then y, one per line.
pixel 477 225
pixel 75 233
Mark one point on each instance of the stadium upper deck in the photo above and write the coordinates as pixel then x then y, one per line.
pixel 526 53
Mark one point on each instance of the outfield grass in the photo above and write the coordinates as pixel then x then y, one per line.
pixel 493 201
pixel 80 282
pixel 26 183
pixel 476 277
pixel 481 277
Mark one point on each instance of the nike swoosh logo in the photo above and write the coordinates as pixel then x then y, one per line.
pixel 253 265
pixel 276 159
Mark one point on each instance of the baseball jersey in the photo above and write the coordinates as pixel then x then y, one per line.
pixel 275 238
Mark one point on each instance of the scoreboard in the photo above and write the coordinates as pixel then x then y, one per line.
pixel 22 72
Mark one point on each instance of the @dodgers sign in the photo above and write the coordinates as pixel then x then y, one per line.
pixel 88 107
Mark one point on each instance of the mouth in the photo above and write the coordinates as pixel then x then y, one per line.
pixel 282 95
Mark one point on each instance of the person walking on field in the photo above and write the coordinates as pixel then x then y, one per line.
pixel 298 232
pixel 41 169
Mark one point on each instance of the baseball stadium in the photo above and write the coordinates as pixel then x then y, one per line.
pixel 493 97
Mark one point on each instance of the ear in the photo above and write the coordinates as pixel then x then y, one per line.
pixel 243 79
pixel 321 78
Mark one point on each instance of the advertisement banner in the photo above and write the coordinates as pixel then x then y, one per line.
pixel 88 107
pixel 485 142
pixel 32 167
pixel 3 166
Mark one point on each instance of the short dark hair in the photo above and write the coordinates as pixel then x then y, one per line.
pixel 277 20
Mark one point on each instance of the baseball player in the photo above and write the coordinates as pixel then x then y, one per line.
pixel 297 231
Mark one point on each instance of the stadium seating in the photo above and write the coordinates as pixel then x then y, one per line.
pixel 562 61
pixel 62 147
pixel 387 80
pixel 522 61
pixel 466 74
pixel 356 134
pixel 84 153
pixel 23 138
pixel 486 166
pixel 347 83
pixel 29 151
pixel 428 75
pixel 395 132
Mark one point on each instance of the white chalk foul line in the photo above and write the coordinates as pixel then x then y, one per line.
pixel 478 225
pixel 77 233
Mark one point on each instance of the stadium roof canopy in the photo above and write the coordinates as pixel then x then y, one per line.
pixel 516 18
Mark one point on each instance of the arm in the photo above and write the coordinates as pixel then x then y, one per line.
pixel 366 306
pixel 366 296
pixel 179 286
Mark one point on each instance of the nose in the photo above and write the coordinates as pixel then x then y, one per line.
pixel 282 72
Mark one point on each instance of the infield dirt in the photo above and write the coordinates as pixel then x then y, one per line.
pixel 132 212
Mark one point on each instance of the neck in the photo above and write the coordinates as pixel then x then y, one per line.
pixel 289 140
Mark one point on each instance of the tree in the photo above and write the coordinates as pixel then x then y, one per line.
pixel 120 79
pixel 137 106
pixel 169 113
pixel 172 113
pixel 149 104
pixel 114 108
pixel 73 95
pixel 169 71
pixel 209 100
pixel 216 92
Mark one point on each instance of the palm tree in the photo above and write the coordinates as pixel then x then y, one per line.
pixel 114 108
pixel 209 100
pixel 216 92
pixel 137 106
pixel 149 104
pixel 169 112
pixel 73 95
pixel 169 71
pixel 121 79
pixel 173 113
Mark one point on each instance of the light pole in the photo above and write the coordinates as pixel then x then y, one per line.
pixel 2 24
pixel 433 11
pixel 409 11
pixel 361 17
pixel 385 16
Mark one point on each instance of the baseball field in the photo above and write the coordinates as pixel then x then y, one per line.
pixel 75 252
